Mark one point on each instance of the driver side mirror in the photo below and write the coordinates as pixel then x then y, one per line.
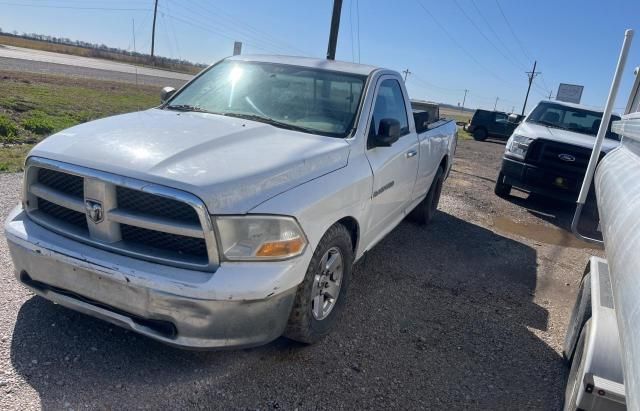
pixel 166 93
pixel 513 118
pixel 388 133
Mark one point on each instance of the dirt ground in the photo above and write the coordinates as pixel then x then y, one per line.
pixel 467 313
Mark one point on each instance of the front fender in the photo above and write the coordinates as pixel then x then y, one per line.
pixel 321 202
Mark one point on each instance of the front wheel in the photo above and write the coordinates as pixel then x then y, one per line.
pixel 502 189
pixel 321 295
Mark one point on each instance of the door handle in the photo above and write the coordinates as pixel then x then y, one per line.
pixel 411 153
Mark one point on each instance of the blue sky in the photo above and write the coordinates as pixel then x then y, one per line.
pixel 449 46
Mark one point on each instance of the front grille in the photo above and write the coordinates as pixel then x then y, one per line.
pixel 167 242
pixel 158 224
pixel 145 203
pixel 62 215
pixel 63 182
pixel 546 154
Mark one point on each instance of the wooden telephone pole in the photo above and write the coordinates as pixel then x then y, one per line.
pixel 532 75
pixel 153 31
pixel 335 26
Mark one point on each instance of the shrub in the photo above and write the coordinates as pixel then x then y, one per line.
pixel 42 123
pixel 8 129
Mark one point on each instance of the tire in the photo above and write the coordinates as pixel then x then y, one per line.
pixel 424 212
pixel 580 314
pixel 480 134
pixel 309 321
pixel 502 189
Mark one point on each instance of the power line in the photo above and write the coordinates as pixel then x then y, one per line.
pixel 457 44
pixel 353 56
pixel 527 56
pixel 205 26
pixel 175 37
pixel 497 36
pixel 51 6
pixel 189 22
pixel 473 23
pixel 358 21
pixel 251 31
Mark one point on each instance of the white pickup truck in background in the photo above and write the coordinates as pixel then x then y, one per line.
pixel 233 212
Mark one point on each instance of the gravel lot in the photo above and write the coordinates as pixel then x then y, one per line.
pixel 464 314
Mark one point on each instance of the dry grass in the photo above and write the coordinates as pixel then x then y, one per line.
pixel 95 53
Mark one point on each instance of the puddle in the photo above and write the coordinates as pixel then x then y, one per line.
pixel 541 233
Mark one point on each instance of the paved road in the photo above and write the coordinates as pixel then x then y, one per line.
pixel 463 314
pixel 15 58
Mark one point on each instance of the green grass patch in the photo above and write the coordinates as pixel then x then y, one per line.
pixel 42 123
pixel 463 134
pixel 8 129
pixel 34 106
pixel 12 157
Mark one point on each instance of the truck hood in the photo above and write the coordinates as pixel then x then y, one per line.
pixel 563 136
pixel 231 164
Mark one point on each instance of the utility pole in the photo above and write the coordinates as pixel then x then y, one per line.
pixel 532 75
pixel 496 103
pixel 333 33
pixel 153 32
pixel 464 99
pixel 406 73
pixel 550 94
pixel 513 109
pixel 133 32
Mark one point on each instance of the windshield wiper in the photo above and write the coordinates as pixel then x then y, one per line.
pixel 186 107
pixel 271 121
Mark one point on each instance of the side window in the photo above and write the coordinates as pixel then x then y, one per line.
pixel 389 104
pixel 501 117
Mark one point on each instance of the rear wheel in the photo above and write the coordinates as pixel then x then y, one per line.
pixel 424 212
pixel 502 189
pixel 321 295
pixel 479 134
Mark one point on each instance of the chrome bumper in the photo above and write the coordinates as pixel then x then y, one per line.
pixel 240 305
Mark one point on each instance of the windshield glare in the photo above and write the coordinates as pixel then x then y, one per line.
pixel 572 119
pixel 317 101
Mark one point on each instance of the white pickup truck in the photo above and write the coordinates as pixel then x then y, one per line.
pixel 234 212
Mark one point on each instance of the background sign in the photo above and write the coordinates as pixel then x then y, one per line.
pixel 237 48
pixel 571 93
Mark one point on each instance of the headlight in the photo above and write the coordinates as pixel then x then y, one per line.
pixel 262 237
pixel 517 146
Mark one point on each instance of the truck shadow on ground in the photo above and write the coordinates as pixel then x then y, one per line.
pixel 438 317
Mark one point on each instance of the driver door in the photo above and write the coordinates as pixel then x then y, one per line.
pixel 394 168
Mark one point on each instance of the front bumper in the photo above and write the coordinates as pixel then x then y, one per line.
pixel 240 305
pixel 540 181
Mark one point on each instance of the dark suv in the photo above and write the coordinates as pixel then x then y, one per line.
pixel 485 123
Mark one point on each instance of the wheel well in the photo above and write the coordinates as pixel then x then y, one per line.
pixel 444 162
pixel 352 225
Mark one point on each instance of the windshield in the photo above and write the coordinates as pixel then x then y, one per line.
pixel 293 97
pixel 572 119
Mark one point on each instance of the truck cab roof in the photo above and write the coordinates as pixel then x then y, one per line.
pixel 323 64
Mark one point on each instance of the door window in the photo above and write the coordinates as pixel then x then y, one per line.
pixel 389 104
pixel 501 118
